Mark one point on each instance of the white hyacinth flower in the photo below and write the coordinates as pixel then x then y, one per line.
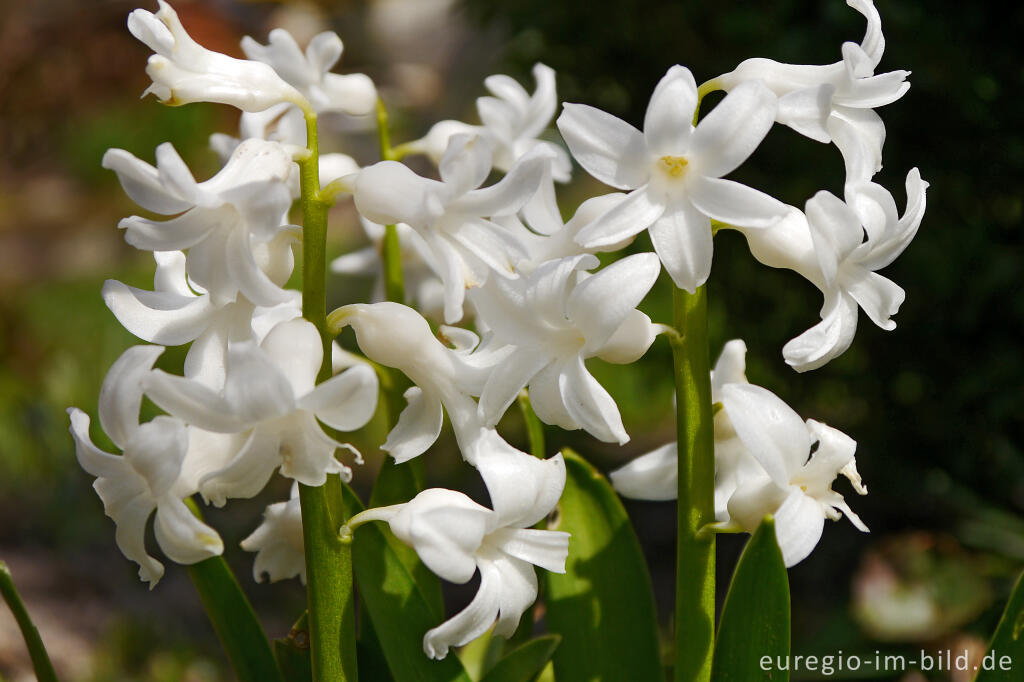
pixel 836 102
pixel 551 321
pixel 456 537
pixel 655 475
pixel 795 485
pixel 222 222
pixel 512 118
pixel 838 246
pixel 278 542
pixel 184 71
pixel 270 395
pixel 674 170
pixel 397 336
pixel 451 214
pixel 148 475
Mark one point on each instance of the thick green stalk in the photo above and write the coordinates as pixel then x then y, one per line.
pixel 394 286
pixel 328 559
pixel 36 651
pixel 695 552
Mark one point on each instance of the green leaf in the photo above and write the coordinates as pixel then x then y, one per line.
pixel 292 652
pixel 524 663
pixel 603 606
pixel 755 617
pixel 395 484
pixel 1006 651
pixel 398 607
pixel 234 621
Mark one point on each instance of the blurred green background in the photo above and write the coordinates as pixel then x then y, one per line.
pixel 935 405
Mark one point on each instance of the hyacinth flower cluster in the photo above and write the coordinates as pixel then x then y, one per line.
pixel 486 296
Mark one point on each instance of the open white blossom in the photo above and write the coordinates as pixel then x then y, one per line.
pixel 512 120
pixel 655 475
pixel 270 395
pixel 836 102
pixel 278 542
pixel 838 246
pixel 397 336
pixel 148 475
pixel 796 482
pixel 674 170
pixel 451 214
pixel 222 222
pixel 184 71
pixel 456 537
pixel 553 319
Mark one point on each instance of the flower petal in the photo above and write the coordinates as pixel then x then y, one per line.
pixel 469 623
pixel 859 134
pixel 879 296
pixel 346 401
pixel 192 402
pixel 630 341
pixel 95 461
pixel 507 380
pixel 798 526
pixel 827 340
pixel 418 426
pixel 607 147
pixel 732 131
pixel 682 240
pixel 589 403
pixel 523 488
pixel 248 471
pixel 157 316
pixel 651 476
pixel 775 435
pixel 640 209
pixel 835 231
pixel 546 398
pixel 600 304
pixel 184 538
pixel 509 194
pixel 669 118
pixel 806 111
pixel 734 203
pixel 142 183
pixel 389 192
pixel 121 392
pixel 545 548
pixel 466 163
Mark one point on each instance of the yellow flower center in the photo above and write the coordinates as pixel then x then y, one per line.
pixel 675 166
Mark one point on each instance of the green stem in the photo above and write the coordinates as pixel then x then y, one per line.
pixel 394 286
pixel 695 551
pixel 40 660
pixel 534 428
pixel 328 560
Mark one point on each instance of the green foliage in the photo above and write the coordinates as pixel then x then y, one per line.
pixel 755 617
pixel 292 652
pixel 524 663
pixel 1007 640
pixel 397 604
pixel 234 621
pixel 602 606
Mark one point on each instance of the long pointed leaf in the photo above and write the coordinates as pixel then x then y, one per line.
pixel 603 606
pixel 398 608
pixel 1006 650
pixel 234 621
pixel 525 662
pixel 755 617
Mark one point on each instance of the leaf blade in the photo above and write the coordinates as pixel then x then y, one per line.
pixel 603 606
pixel 756 615
pixel 525 662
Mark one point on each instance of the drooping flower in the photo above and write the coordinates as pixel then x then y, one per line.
pixel 148 475
pixel 270 395
pixel 834 103
pixel 451 215
pixel 397 336
pixel 184 71
pixel 278 542
pixel 674 170
pixel 554 318
pixel 796 482
pixel 838 246
pixel 655 475
pixel 456 537
pixel 512 121
pixel 225 222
